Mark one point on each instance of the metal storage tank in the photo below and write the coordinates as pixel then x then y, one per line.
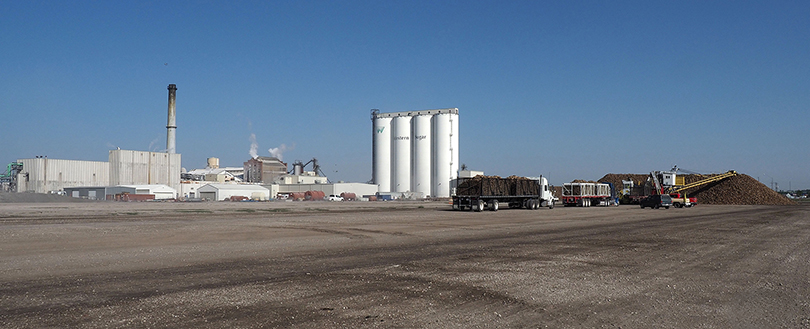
pixel 213 163
pixel 442 154
pixel 422 145
pixel 401 169
pixel 381 140
pixel 454 149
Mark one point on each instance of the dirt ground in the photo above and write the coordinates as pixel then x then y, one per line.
pixel 401 265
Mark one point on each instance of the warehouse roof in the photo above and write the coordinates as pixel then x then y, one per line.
pixel 233 187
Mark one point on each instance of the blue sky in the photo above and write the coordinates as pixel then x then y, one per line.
pixel 567 89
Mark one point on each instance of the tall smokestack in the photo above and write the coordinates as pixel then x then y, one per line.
pixel 171 127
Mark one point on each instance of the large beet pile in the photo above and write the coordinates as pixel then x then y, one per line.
pixel 741 189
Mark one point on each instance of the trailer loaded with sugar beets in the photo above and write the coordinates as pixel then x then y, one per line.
pixel 586 194
pixel 490 192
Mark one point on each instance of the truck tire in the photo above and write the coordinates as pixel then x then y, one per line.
pixel 493 206
pixel 480 206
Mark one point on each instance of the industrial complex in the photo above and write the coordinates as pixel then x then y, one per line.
pixel 414 156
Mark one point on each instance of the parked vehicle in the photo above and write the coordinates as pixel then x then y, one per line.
pixel 588 194
pixel 333 197
pixel 656 201
pixel 484 192
pixel 679 200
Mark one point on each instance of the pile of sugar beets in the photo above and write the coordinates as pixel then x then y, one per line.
pixel 736 190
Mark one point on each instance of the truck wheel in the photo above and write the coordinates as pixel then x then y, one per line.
pixel 493 205
pixel 480 205
pixel 551 205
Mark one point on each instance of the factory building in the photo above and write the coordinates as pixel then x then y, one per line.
pixel 43 175
pixel 221 192
pixel 415 151
pixel 159 191
pixel 264 170
pixel 144 168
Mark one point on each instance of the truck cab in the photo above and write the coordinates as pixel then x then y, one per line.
pixel 679 200
pixel 656 201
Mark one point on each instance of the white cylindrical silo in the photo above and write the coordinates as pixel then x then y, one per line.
pixel 442 154
pixel 422 163
pixel 401 159
pixel 382 153
pixel 454 148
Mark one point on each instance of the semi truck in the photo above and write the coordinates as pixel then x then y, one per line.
pixel 490 192
pixel 588 194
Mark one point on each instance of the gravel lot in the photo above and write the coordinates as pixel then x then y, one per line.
pixel 401 265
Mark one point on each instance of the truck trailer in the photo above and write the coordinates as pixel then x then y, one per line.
pixel 487 192
pixel 588 194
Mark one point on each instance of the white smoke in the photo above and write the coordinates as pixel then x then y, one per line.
pixel 153 146
pixel 278 151
pixel 254 146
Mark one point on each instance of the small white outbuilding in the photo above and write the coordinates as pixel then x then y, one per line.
pixel 161 191
pixel 220 192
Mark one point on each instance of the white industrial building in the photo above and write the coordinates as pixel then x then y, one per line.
pixel 144 168
pixel 307 177
pixel 43 175
pixel 160 191
pixel 220 192
pixel 415 151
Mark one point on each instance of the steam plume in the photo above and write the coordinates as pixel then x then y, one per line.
pixel 277 152
pixel 254 146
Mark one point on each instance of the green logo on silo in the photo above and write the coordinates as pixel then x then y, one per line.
pixel 380 130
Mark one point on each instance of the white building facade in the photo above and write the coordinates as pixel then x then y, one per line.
pixel 43 175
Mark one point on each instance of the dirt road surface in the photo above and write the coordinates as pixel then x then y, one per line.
pixel 401 265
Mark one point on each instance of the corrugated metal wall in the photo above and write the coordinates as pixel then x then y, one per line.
pixel 140 167
pixel 45 175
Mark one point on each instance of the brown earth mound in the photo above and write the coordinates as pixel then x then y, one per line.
pixel 740 190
